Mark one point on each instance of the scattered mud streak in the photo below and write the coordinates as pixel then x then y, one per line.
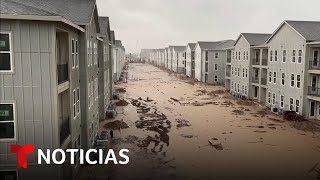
pixel 122 103
pixel 150 119
pixel 116 125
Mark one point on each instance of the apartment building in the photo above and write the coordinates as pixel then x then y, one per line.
pixel 166 57
pixel 162 57
pixel 178 59
pixel 170 58
pixel 105 64
pixel 190 59
pixel 119 59
pixel 39 81
pixel 215 62
pixel 244 65
pixel 293 56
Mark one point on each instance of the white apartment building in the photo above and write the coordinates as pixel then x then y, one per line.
pixel 178 59
pixel 190 59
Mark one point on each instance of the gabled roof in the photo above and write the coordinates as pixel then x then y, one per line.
pixel 254 38
pixel 179 48
pixel 77 11
pixel 118 43
pixel 309 30
pixel 224 45
pixel 207 45
pixel 192 46
pixel 104 26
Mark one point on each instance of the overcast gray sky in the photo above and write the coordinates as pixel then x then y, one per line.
pixel 159 23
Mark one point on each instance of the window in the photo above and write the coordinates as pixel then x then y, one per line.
pixel 216 78
pixel 243 72
pixel 238 72
pixel 216 67
pixel 273 98
pixel 242 89
pixel 291 104
pixel 270 77
pixel 271 55
pixel 89 94
pixel 7 121
pixel 232 70
pixel 246 73
pixel 292 80
pixel 232 85
pixel 283 75
pixel 269 97
pixel 232 55
pixel 235 87
pixel 284 55
pixel 236 55
pixel 274 77
pixel 238 87
pixel 78 100
pixel 6 63
pixel 244 55
pixel 239 55
pixel 300 56
pixel 89 52
pixel 293 56
pixel 297 105
pixel 73 54
pixel 74 104
pixel 96 89
pixel 245 90
pixel 298 81
pixel 92 92
pixel 216 55
pixel 206 55
pixel 275 55
pixel 247 55
pixel 281 101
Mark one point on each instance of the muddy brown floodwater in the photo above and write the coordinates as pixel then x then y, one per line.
pixel 178 129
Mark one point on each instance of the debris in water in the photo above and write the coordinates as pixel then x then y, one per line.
pixel 122 103
pixel 114 125
pixel 238 112
pixel 217 146
pixel 182 123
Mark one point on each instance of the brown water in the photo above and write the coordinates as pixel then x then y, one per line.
pixel 169 134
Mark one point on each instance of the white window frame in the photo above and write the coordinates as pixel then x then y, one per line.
pixel 215 78
pixel 77 53
pixel 9 52
pixel 216 55
pixel 246 73
pixel 271 56
pixel 291 105
pixel 270 76
pixel 15 138
pixel 274 98
pixel 216 67
pixel 299 56
pixel 74 104
pixel 281 101
pixel 275 55
pixel 292 80
pixel 78 100
pixel 269 97
pixel 294 54
pixel 284 55
pixel 283 77
pixel 297 105
pixel 92 91
pixel 73 56
pixel 274 77
pixel 298 81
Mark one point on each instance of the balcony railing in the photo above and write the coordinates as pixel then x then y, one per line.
pixel 314 91
pixel 264 62
pixel 64 130
pixel 256 62
pixel 255 79
pixel 314 65
pixel 228 74
pixel 229 60
pixel 264 81
pixel 63 74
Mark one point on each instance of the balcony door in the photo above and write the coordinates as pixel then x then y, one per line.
pixel 257 56
pixel 313 84
pixel 315 57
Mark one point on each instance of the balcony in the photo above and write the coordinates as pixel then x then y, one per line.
pixel 63 73
pixel 264 62
pixel 255 80
pixel 264 81
pixel 228 59
pixel 256 62
pixel 314 65
pixel 64 130
pixel 313 91
pixel 228 74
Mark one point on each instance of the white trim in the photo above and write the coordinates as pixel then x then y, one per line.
pixel 73 56
pixel 42 18
pixel 11 53
pixel 14 120
pixel 276 31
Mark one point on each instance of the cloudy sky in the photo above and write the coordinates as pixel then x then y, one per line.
pixel 159 23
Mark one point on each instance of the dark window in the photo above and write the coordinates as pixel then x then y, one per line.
pixel 5 52
pixel 7 121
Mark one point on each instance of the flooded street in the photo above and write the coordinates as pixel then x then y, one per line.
pixel 178 129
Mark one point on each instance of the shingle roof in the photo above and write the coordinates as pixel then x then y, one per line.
pixel 192 46
pixel 224 45
pixel 104 25
pixel 310 30
pixel 255 38
pixel 77 11
pixel 208 45
pixel 17 8
pixel 179 48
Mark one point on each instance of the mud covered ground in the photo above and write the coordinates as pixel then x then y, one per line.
pixel 179 129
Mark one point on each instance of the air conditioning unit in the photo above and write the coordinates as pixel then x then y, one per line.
pixel 274 109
